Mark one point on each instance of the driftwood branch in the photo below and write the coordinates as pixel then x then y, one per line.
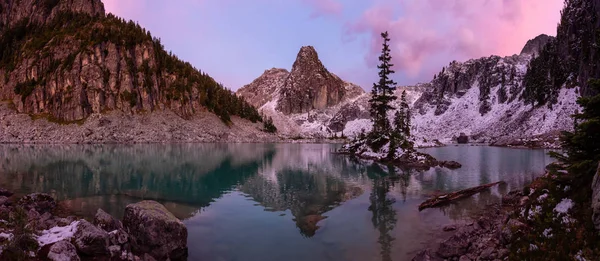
pixel 450 197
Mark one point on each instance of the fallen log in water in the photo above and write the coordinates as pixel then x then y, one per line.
pixel 450 197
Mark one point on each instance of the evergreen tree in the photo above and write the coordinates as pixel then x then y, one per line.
pixel 269 126
pixel 405 110
pixel 582 146
pixel 383 92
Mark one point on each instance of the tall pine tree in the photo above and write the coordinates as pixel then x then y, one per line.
pixel 382 93
pixel 582 146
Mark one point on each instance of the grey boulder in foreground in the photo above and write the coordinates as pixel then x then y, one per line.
pixel 155 231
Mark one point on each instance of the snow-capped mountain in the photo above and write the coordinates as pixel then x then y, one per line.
pixel 480 97
pixel 309 101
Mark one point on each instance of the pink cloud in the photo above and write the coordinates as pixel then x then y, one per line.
pixel 422 31
pixel 324 7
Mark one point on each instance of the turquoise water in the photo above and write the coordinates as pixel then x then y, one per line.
pixel 271 201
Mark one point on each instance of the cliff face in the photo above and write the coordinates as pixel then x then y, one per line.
pixel 535 45
pixel 309 85
pixel 41 12
pixel 309 101
pixel 264 88
pixel 572 58
pixel 484 74
pixel 65 60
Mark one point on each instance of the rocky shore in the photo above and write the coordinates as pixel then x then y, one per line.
pixel 486 238
pixel 32 228
pixel 548 220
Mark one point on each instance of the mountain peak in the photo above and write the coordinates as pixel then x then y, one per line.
pixel 310 85
pixel 535 45
pixel 308 58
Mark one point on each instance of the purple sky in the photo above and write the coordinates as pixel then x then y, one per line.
pixel 236 40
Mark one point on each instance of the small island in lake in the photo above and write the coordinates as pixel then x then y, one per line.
pixel 390 142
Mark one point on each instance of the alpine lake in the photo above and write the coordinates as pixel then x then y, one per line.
pixel 272 201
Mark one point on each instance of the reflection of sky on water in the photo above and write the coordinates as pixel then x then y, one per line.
pixel 240 200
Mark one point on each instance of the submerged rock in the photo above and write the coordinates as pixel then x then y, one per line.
pixel 450 164
pixel 155 230
pixel 91 240
pixel 39 202
pixel 63 251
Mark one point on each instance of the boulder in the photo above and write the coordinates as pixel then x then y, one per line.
pixel 5 193
pixel 91 240
pixel 39 202
pixel 596 199
pixel 63 251
pixel 450 164
pixel 155 231
pixel 4 201
pixel 107 222
pixel 118 237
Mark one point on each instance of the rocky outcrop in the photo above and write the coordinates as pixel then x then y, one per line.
pixel 309 85
pixel 347 113
pixel 41 12
pixel 535 45
pixel 264 88
pixel 458 78
pixel 576 40
pixel 462 139
pixel 309 101
pixel 154 230
pixel 95 63
pixel 596 199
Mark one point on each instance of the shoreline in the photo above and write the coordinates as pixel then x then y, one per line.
pixel 498 230
pixel 36 226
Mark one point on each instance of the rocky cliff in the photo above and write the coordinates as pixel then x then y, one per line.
pixel 308 101
pixel 483 98
pixel 265 87
pixel 535 45
pixel 65 60
pixel 569 60
pixel 41 12
pixel 309 85
pixel 480 97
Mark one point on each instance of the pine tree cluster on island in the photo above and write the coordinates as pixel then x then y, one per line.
pixel 387 140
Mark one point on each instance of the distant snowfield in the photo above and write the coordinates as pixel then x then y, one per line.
pixel 512 120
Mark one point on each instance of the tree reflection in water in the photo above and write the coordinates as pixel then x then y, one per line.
pixel 384 215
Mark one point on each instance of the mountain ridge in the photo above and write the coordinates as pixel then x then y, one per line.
pixel 489 89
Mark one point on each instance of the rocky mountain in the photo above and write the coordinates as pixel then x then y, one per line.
pixel 308 101
pixel 66 60
pixel 535 45
pixel 309 85
pixel 482 98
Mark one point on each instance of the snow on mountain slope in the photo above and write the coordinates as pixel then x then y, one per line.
pixel 504 124
pixel 480 97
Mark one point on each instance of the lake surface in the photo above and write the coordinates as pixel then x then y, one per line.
pixel 271 201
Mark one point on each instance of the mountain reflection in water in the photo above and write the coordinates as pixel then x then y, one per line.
pixel 239 199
